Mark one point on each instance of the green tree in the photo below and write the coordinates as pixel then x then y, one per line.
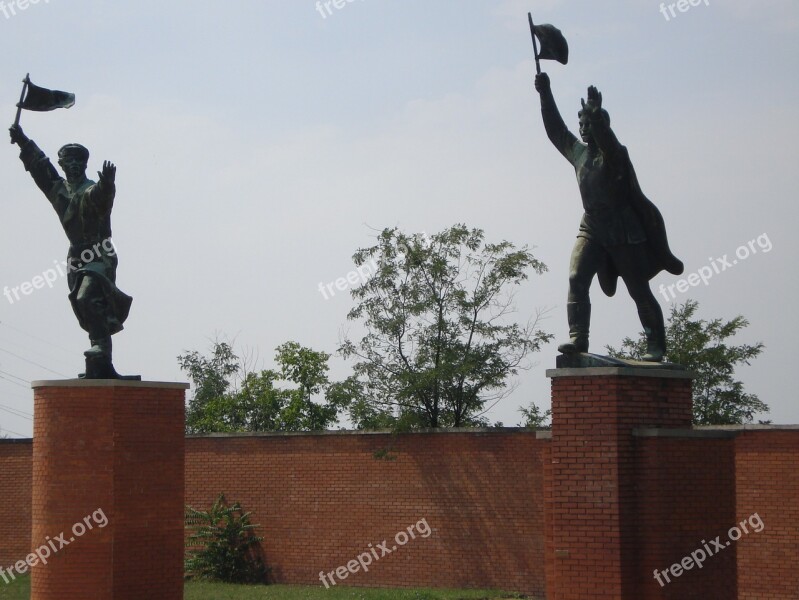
pixel 703 346
pixel 211 377
pixel 535 418
pixel 438 345
pixel 259 403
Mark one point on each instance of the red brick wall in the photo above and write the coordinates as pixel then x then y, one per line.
pixel 592 513
pixel 322 499
pixel 148 493
pixel 685 496
pixel 111 452
pixel 767 477
pixel 15 501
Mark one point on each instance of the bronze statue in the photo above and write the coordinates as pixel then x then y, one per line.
pixel 621 233
pixel 84 209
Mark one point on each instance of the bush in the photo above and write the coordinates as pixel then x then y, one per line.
pixel 223 546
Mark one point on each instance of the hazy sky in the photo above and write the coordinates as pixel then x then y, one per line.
pixel 259 144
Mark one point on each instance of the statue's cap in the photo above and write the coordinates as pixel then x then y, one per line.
pixel 74 150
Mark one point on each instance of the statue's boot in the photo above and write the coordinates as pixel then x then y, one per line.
pixel 101 346
pixel 97 314
pixel 579 315
pixel 652 319
pixel 98 361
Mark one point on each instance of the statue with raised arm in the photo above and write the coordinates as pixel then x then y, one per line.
pixel 621 234
pixel 84 209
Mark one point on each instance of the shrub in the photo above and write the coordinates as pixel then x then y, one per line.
pixel 223 545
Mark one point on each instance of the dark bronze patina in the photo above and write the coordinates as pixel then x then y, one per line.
pixel 84 209
pixel 621 234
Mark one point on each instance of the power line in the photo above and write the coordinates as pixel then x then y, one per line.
pixel 21 416
pixel 15 377
pixel 22 412
pixel 22 435
pixel 16 409
pixel 43 354
pixel 32 362
pixel 17 383
pixel 5 392
pixel 38 339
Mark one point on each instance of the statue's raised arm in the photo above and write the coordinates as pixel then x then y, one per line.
pixel 557 132
pixel 595 120
pixel 35 161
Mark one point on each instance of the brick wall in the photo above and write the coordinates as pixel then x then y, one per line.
pixel 117 448
pixel 685 496
pixel 592 512
pixel 321 499
pixel 767 478
pixel 15 500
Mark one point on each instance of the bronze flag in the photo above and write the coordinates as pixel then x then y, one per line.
pixel 41 99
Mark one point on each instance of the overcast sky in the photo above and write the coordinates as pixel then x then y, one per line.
pixel 260 143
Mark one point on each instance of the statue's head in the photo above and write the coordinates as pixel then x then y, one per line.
pixel 73 159
pixel 585 124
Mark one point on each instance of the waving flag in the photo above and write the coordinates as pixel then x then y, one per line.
pixel 41 99
pixel 553 44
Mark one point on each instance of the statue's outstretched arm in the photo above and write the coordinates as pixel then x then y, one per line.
pixel 35 161
pixel 557 132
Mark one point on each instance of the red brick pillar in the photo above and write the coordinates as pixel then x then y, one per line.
pixel 590 500
pixel 108 475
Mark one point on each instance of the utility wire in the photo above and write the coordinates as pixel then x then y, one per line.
pixel 6 393
pixel 12 411
pixel 32 362
pixel 22 435
pixel 14 382
pixel 38 339
pixel 22 413
pixel 15 377
pixel 16 409
pixel 42 354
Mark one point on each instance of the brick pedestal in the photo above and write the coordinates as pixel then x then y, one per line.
pixel 590 493
pixel 108 474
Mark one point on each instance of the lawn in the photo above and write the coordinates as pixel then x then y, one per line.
pixel 20 590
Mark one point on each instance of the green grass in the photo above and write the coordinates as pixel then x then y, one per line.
pixel 210 591
pixel 20 590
